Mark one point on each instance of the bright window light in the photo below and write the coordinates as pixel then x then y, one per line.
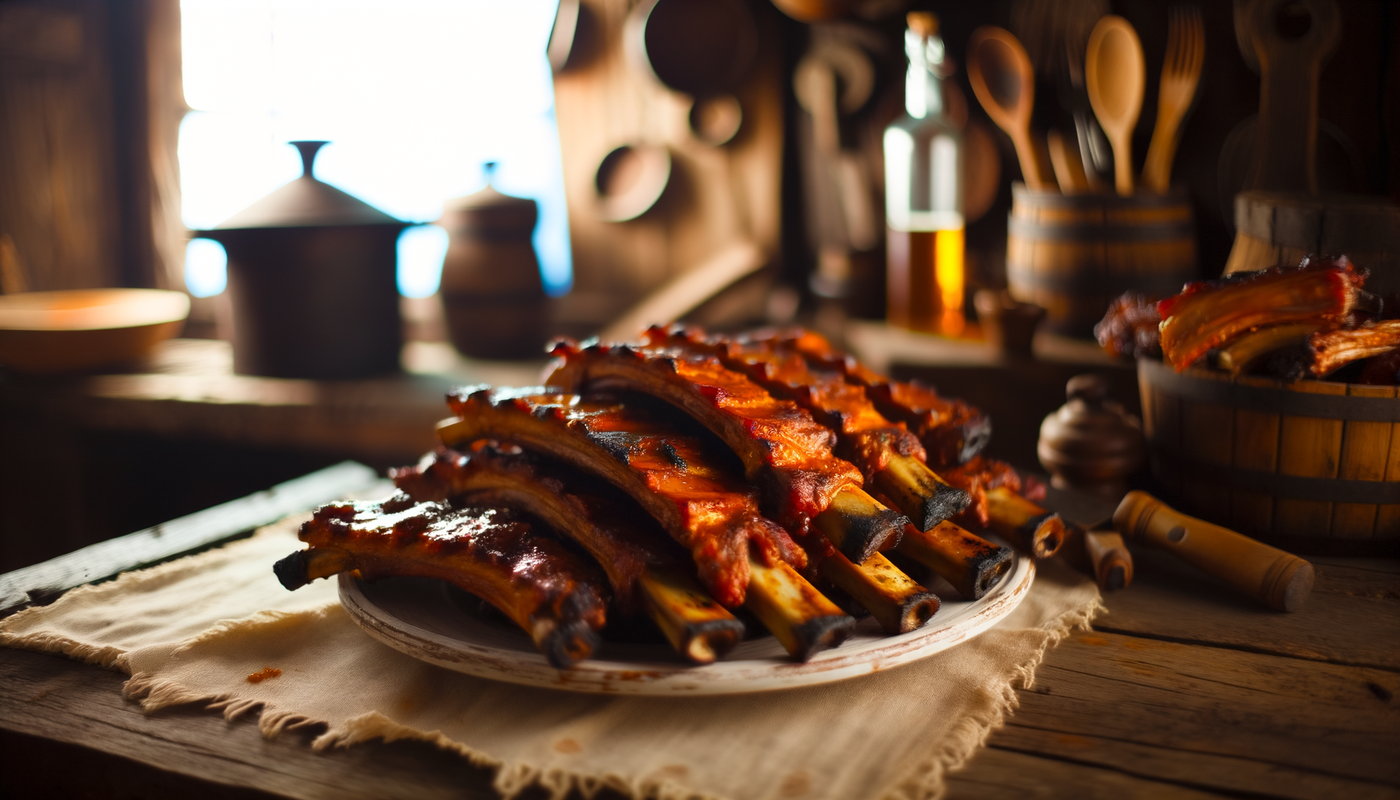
pixel 414 96
pixel 206 267
pixel 421 251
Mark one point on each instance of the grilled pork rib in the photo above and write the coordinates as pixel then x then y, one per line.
pixel 951 431
pixel 554 595
pixel 741 557
pixel 1210 313
pixel 782 448
pixel 640 564
pixel 1330 350
pixel 673 476
pixel 887 454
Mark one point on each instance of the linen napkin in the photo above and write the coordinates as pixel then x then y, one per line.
pixel 194 631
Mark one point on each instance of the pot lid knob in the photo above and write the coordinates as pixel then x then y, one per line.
pixel 306 203
pixel 308 150
pixel 1091 443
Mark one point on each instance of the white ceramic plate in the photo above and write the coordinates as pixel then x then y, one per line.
pixel 429 620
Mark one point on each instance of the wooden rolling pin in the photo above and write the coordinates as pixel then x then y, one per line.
pixel 1279 580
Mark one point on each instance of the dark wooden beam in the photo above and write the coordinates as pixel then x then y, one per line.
pixel 41 584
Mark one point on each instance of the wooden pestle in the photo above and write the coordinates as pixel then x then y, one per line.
pixel 1279 580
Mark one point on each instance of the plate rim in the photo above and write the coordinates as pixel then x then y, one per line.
pixel 724 677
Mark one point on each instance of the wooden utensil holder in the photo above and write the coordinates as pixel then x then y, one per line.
pixel 1072 254
pixel 1311 466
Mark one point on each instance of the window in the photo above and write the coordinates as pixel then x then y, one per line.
pixel 414 96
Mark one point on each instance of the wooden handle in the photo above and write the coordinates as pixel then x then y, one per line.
pixel 1068 164
pixel 1033 170
pixel 1285 155
pixel 1113 564
pixel 1161 151
pixel 1275 578
pixel 1100 554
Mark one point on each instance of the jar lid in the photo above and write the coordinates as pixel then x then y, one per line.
pixel 492 210
pixel 307 202
pixel 1091 440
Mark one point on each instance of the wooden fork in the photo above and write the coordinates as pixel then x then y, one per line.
pixel 1181 74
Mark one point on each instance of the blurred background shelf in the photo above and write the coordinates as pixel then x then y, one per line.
pixel 86 458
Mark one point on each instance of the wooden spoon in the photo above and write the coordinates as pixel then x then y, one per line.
pixel 1116 73
pixel 1001 77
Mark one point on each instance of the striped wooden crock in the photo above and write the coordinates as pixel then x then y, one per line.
pixel 1072 254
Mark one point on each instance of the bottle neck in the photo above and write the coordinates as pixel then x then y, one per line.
pixel 923 89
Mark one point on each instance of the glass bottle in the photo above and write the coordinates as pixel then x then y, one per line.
pixel 924 195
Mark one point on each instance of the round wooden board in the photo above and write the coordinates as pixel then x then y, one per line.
pixel 426 619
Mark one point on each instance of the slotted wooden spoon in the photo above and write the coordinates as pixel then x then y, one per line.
pixel 1115 74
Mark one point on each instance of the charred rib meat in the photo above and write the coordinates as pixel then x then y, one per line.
pixel 639 562
pixel 1330 350
pixel 889 456
pixel 782 448
pixel 1209 313
pixel 951 431
pixel 674 477
pixel 554 595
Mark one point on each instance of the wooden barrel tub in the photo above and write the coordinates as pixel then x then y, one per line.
pixel 1072 254
pixel 1311 466
pixel 1281 227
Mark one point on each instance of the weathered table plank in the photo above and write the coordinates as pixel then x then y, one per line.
pixel 63 701
pixel 44 582
pixel 1352 617
pixel 1227 719
pixel 1002 774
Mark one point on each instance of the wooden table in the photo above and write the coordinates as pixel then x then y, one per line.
pixel 1182 690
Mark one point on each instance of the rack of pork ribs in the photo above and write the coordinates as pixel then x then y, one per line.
pixel 688 476
pixel 1286 322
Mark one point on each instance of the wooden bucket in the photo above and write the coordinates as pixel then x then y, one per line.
pixel 1282 227
pixel 1312 466
pixel 1072 254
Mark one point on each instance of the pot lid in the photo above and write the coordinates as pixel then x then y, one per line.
pixel 491 209
pixel 307 202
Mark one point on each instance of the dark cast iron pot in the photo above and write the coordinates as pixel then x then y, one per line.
pixel 312 282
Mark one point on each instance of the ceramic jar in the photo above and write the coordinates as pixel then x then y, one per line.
pixel 492 296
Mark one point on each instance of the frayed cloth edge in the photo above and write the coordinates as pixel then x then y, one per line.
pixel 511 779
pixel 106 656
pixel 927 782
pixel 154 694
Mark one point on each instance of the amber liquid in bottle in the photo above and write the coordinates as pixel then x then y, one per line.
pixel 926 280
pixel 923 196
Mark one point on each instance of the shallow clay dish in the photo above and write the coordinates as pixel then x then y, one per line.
pixel 436 623
pixel 83 329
